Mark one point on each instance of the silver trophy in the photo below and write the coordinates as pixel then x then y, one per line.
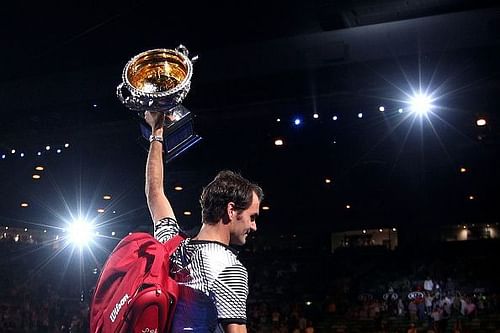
pixel 159 80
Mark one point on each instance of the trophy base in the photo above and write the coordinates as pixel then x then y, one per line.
pixel 178 136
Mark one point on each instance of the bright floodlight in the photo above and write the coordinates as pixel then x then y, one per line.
pixel 80 232
pixel 420 104
pixel 481 122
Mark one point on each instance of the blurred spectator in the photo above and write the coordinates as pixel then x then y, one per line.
pixel 428 284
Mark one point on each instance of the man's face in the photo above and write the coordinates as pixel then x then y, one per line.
pixel 245 223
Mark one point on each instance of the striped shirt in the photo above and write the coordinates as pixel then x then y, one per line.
pixel 214 283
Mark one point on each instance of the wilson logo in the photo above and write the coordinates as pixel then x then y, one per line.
pixel 118 307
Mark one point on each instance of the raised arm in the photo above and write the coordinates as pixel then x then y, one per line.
pixel 158 204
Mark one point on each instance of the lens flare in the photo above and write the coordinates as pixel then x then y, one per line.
pixel 420 104
pixel 80 232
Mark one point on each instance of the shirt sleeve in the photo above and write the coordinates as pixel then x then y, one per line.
pixel 231 292
pixel 165 229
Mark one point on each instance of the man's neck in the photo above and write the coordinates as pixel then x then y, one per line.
pixel 214 232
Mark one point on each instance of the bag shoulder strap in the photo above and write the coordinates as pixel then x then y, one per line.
pixel 172 244
pixel 164 251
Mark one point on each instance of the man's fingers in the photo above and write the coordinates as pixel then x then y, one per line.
pixel 153 117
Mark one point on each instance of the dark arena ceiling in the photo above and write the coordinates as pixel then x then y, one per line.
pixel 258 61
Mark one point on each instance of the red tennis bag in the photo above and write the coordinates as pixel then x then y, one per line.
pixel 134 292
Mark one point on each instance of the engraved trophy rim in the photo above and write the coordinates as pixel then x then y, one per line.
pixel 178 88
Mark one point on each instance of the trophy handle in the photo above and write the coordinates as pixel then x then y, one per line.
pixel 119 92
pixel 182 49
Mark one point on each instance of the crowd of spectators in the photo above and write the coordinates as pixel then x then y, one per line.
pixel 450 286
pixel 297 290
pixel 39 291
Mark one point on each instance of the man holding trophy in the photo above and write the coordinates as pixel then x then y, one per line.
pixel 213 282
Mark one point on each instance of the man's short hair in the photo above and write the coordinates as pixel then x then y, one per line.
pixel 226 187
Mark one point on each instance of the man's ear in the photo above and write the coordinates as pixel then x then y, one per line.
pixel 231 211
pixel 228 217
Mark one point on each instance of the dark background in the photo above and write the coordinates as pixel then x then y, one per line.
pixel 258 61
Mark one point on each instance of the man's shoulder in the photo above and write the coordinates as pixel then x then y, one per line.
pixel 165 229
pixel 214 254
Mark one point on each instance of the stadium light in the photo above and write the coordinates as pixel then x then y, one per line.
pixel 420 104
pixel 80 232
pixel 481 122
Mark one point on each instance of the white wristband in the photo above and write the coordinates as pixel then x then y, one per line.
pixel 155 138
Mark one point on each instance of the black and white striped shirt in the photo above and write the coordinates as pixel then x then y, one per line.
pixel 212 275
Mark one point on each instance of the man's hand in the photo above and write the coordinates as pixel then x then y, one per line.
pixel 155 120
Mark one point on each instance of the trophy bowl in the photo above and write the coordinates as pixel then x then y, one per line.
pixel 158 81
